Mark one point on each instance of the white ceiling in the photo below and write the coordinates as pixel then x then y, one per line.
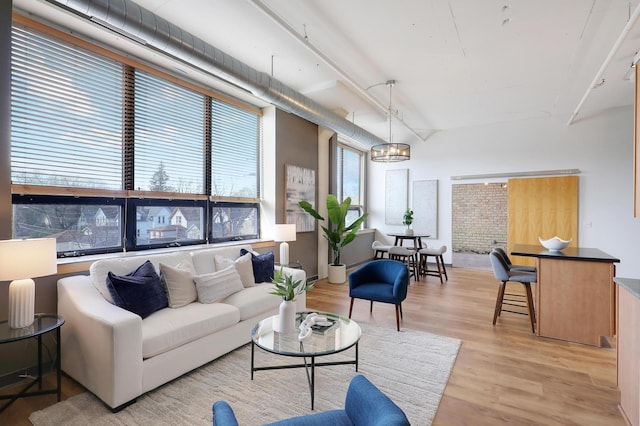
pixel 457 63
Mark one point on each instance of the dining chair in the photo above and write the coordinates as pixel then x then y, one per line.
pixel 379 249
pixel 407 256
pixel 504 275
pixel 437 253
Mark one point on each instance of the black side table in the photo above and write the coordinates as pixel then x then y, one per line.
pixel 42 324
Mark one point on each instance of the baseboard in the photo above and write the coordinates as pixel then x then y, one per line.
pixel 13 377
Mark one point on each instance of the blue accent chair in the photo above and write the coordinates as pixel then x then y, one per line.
pixel 365 405
pixel 383 281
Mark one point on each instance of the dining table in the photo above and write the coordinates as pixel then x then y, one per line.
pixel 415 238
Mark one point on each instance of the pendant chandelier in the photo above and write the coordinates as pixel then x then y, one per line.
pixel 390 152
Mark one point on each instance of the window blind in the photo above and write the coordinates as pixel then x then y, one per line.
pixel 169 136
pixel 234 151
pixel 66 114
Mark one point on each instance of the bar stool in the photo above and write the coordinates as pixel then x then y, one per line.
pixel 407 256
pixel 504 275
pixel 437 253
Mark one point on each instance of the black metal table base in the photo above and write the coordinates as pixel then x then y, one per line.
pixel 310 368
pixel 24 391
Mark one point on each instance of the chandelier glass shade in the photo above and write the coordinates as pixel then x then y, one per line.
pixel 390 152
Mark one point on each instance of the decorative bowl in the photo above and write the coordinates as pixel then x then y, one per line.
pixel 555 243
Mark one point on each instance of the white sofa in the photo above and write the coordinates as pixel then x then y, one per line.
pixel 119 356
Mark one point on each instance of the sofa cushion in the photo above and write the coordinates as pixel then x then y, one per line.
pixel 217 285
pixel 253 301
pixel 123 265
pixel 140 291
pixel 243 266
pixel 178 283
pixel 262 265
pixel 170 328
pixel 203 258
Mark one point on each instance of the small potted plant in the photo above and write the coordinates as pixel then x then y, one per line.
pixel 285 287
pixel 408 220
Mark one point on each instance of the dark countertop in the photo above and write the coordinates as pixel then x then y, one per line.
pixel 570 253
pixel 630 284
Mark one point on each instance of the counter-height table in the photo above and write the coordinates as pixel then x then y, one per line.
pixel 575 293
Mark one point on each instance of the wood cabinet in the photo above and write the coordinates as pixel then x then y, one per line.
pixel 628 347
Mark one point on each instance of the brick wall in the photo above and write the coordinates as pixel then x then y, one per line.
pixel 479 216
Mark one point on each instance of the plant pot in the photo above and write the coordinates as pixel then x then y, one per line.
pixel 408 231
pixel 337 274
pixel 287 316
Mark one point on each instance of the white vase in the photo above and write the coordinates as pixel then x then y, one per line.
pixel 337 274
pixel 408 231
pixel 287 316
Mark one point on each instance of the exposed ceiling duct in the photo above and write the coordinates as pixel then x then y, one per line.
pixel 127 18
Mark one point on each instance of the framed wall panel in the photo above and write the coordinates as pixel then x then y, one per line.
pixel 425 207
pixel 396 195
pixel 300 184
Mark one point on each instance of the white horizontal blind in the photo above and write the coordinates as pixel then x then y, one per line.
pixel 169 136
pixel 66 114
pixel 234 151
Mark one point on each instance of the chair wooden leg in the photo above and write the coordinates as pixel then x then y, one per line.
pixel 398 317
pixel 532 311
pixel 439 269
pixel 496 313
pixel 371 307
pixel 444 268
pixel 351 307
pixel 400 305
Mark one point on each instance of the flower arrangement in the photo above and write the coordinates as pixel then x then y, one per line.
pixel 285 287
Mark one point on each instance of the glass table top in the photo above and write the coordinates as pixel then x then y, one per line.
pixel 345 334
pixel 42 323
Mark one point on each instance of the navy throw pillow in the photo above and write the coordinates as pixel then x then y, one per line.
pixel 262 266
pixel 140 291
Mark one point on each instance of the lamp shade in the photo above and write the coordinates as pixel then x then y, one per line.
pixel 27 258
pixel 284 232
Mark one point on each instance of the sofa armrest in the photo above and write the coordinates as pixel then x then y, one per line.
pixel 297 274
pixel 101 343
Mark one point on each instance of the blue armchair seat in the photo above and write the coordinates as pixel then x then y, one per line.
pixel 365 405
pixel 383 281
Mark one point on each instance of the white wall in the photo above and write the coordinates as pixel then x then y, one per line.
pixel 601 147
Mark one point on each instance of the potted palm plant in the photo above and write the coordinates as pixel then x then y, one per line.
pixel 336 232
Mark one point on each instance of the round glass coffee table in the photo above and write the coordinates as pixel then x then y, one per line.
pixel 344 334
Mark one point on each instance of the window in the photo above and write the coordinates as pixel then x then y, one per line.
pixel 143 160
pixel 350 164
pixel 169 136
pixel 66 115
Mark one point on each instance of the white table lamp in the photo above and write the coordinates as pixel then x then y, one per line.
pixel 20 261
pixel 282 234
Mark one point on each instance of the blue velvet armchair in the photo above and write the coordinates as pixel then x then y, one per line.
pixel 383 281
pixel 365 405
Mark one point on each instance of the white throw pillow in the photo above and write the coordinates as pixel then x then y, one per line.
pixel 217 285
pixel 243 265
pixel 178 282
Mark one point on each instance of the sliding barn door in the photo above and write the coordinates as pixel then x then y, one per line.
pixel 542 207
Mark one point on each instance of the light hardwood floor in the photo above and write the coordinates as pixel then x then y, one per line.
pixel 503 374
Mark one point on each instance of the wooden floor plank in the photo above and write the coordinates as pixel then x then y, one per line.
pixel 504 375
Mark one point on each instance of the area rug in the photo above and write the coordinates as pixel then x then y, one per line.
pixel 411 367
